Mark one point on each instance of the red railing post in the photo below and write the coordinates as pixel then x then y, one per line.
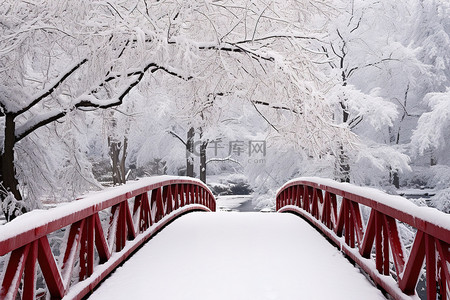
pixel 52 276
pixel 157 198
pixel 30 272
pixel 100 241
pixel 182 195
pixel 430 251
pixel 176 195
pixel 411 274
pixel 87 249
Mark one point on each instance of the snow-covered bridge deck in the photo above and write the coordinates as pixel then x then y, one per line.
pixel 237 256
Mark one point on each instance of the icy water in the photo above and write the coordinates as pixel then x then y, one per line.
pixel 247 206
pixel 236 203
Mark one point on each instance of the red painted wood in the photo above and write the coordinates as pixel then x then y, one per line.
pixel 414 265
pixel 50 270
pixel 100 240
pixel 314 204
pixel 182 195
pixel 73 247
pixel 29 280
pixel 87 238
pixel 130 231
pixel 378 241
pixel 444 271
pixel 395 244
pixel 159 205
pixel 357 221
pixel 412 220
pixel 16 264
pixel 369 236
pixel 430 251
pixel 444 256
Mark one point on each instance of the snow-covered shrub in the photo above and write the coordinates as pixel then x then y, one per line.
pixel 441 200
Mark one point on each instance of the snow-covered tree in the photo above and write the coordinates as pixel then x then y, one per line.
pixel 373 70
pixel 431 32
pixel 433 126
pixel 58 58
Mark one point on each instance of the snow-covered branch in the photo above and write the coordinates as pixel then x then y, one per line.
pixel 37 122
pixel 264 117
pixel 56 83
pixel 88 101
pixel 433 127
pixel 154 67
pixel 278 35
pixel 281 107
pixel 225 46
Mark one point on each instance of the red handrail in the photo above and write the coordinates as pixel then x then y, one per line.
pixel 134 212
pixel 375 245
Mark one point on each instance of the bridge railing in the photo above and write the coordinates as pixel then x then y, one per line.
pixel 66 251
pixel 373 241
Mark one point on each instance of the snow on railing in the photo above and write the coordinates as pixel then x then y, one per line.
pixel 78 244
pixel 372 240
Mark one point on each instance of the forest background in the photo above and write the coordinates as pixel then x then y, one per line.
pixel 98 92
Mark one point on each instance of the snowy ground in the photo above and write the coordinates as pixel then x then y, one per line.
pixel 237 256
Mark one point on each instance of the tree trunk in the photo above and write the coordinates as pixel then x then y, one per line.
pixel 344 166
pixel 122 161
pixel 203 146
pixel 8 177
pixel 190 153
pixel 117 163
pixel 396 179
pixel 433 159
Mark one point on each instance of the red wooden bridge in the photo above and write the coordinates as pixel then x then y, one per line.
pixel 68 251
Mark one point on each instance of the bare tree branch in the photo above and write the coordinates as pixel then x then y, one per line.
pixel 268 122
pixel 353 123
pixel 276 36
pixel 177 136
pixel 230 47
pixel 335 53
pixel 405 111
pixel 257 22
pixel 357 25
pixel 330 61
pixel 117 12
pixel 275 106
